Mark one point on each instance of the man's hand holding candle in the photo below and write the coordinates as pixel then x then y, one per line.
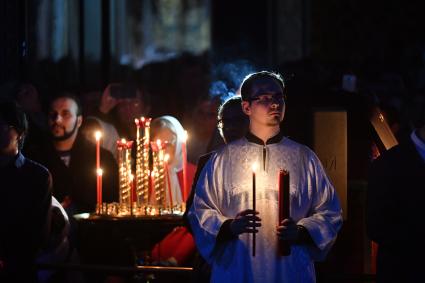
pixel 293 233
pixel 245 222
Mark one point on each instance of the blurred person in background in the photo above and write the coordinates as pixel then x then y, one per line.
pixel 120 104
pixel 394 207
pixel 27 96
pixel 109 137
pixel 202 125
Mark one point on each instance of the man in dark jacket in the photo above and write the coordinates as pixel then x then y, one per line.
pixel 25 200
pixel 71 159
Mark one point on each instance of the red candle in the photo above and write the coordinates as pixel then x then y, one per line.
pixel 284 205
pixel 97 136
pixel 99 186
pixel 254 203
pixel 184 154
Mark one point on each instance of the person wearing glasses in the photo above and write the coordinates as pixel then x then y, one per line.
pixel 222 218
pixel 25 200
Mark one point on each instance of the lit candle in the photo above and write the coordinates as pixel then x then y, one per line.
pixel 254 203
pixel 97 136
pixel 283 246
pixel 184 154
pixel 99 172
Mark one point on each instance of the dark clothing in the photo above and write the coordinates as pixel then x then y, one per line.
pixel 202 270
pixel 394 216
pixel 25 199
pixel 78 180
pixel 203 159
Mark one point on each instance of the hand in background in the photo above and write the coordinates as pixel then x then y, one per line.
pixel 107 101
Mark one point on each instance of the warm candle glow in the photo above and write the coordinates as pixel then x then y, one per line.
pixel 97 135
pixel 166 157
pixel 123 141
pixel 185 136
pixel 99 172
pixel 254 167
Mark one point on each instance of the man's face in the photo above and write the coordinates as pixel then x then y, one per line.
pixel 63 120
pixel 9 139
pixel 267 107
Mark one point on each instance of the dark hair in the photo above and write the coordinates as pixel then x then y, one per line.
pixel 229 102
pixel 70 95
pixel 14 116
pixel 248 81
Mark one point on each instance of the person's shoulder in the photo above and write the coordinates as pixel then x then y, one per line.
pixel 32 165
pixel 204 157
pixel 235 144
pixel 36 173
pixel 292 145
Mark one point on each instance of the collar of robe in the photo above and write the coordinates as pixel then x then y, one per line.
pixel 254 139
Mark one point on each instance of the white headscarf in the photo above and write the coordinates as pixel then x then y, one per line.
pixel 177 164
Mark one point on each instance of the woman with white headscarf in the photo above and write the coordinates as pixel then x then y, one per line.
pixel 169 130
pixel 178 246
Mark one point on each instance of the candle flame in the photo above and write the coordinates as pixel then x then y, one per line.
pixel 97 135
pixel 131 177
pixel 123 141
pixel 158 142
pixel 254 167
pixel 166 157
pixel 99 172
